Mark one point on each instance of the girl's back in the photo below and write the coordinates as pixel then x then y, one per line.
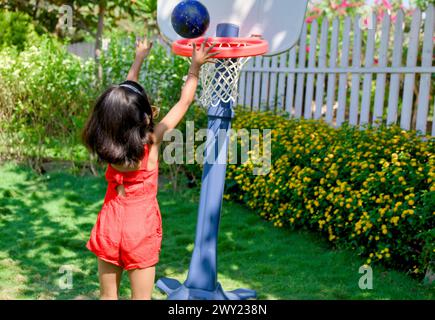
pixel 131 182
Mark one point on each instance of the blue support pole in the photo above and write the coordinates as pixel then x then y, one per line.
pixel 201 282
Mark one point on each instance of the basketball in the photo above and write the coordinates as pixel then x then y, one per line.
pixel 190 19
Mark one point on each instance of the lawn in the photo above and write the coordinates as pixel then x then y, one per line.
pixel 45 222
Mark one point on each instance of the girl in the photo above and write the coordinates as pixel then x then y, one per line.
pixel 120 131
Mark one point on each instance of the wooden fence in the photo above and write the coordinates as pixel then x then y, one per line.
pixel 342 71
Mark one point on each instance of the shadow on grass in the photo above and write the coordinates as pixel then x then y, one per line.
pixel 46 221
pixel 42 231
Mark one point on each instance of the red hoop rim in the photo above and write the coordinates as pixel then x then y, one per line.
pixel 228 47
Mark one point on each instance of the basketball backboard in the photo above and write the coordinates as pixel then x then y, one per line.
pixel 277 21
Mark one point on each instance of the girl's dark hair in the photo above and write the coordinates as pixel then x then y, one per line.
pixel 120 125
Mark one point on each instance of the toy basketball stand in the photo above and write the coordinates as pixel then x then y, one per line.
pixel 220 83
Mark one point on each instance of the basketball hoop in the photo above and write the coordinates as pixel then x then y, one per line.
pixel 228 47
pixel 220 81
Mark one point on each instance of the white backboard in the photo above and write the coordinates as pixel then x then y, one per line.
pixel 277 21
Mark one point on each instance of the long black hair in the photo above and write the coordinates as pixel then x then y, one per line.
pixel 120 125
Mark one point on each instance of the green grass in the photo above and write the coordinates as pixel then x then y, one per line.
pixel 45 222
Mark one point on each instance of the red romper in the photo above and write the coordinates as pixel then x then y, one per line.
pixel 128 231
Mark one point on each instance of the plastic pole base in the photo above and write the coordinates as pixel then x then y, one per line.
pixel 177 291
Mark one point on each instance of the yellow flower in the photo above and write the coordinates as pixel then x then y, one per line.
pixel 394 220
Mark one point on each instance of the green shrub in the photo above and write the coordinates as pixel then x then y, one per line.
pixel 16 30
pixel 370 190
pixel 45 94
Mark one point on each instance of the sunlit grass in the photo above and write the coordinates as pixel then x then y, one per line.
pixel 45 222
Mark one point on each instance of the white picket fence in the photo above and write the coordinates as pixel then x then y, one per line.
pixel 332 75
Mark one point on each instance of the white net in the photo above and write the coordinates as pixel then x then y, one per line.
pixel 220 81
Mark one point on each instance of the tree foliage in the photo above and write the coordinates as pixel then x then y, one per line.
pixel 16 30
pixel 46 14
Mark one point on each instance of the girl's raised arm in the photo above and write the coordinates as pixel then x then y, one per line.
pixel 143 48
pixel 176 114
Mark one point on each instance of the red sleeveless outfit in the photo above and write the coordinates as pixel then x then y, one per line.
pixel 128 231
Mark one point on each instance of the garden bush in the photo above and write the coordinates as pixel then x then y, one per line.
pixel 16 30
pixel 370 190
pixel 45 94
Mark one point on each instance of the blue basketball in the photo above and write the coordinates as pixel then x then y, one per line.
pixel 190 19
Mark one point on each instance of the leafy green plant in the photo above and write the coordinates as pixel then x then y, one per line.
pixel 16 30
pixel 423 4
pixel 90 18
pixel 46 97
pixel 370 190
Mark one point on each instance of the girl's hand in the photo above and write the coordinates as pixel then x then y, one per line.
pixel 203 55
pixel 143 48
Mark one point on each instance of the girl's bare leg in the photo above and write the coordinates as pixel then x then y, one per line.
pixel 142 283
pixel 110 278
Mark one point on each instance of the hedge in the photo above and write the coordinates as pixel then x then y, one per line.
pixel 45 96
pixel 370 190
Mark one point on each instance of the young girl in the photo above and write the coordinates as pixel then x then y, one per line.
pixel 120 131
